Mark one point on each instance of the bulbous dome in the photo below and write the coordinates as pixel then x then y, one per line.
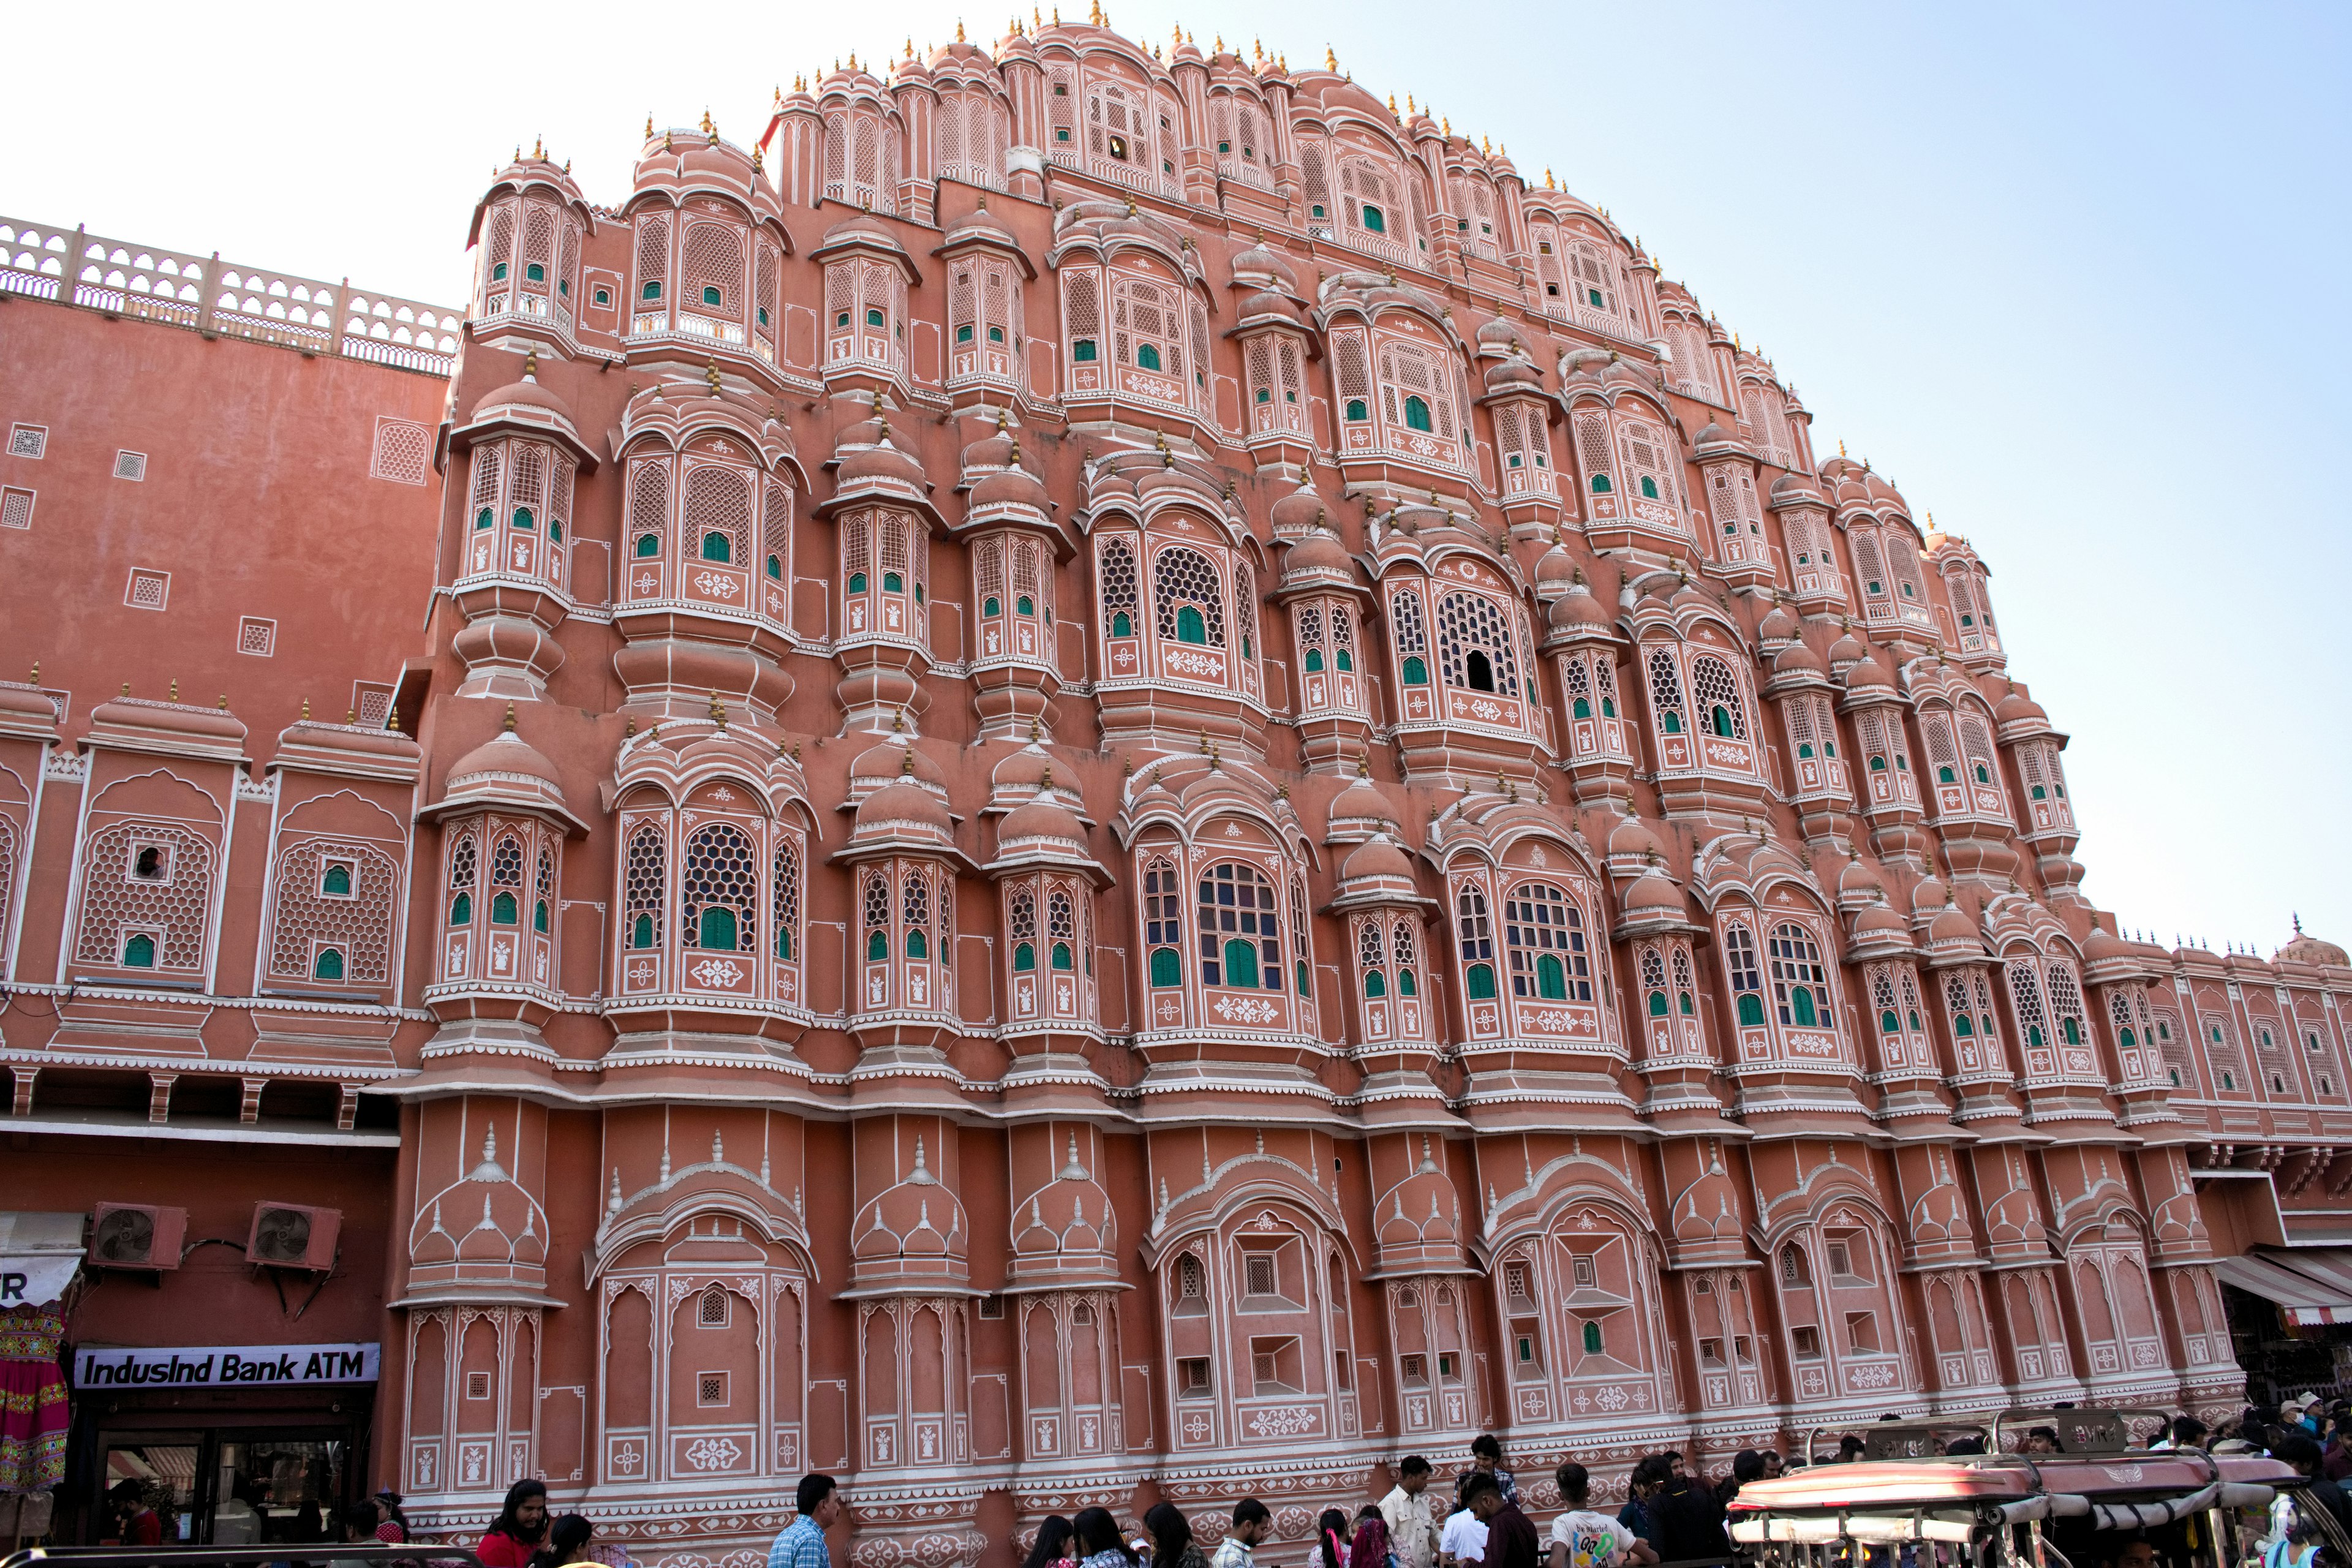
pixel 2307 949
pixel 1952 927
pixel 1630 838
pixel 504 755
pixel 863 229
pixel 1042 817
pixel 518 399
pixel 1556 571
pixel 1506 373
pixel 1012 486
pixel 885 763
pixel 885 463
pixel 1777 624
pixel 1498 333
pixel 1798 659
pixel 1259 263
pixel 1301 509
pixel 1877 923
pixel 1654 892
pixel 1868 674
pixel 1857 882
pixel 1362 803
pixel 1023 773
pixel 1847 650
pixel 903 804
pixel 1578 606
pixel 2017 708
pixel 1377 856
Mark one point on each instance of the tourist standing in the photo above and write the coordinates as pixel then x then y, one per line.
pixel 1462 1541
pixel 520 1526
pixel 1412 1532
pixel 802 1543
pixel 1487 1459
pixel 1511 1540
pixel 1238 1549
pixel 1172 1545
pixel 567 1542
pixel 1052 1549
pixel 1100 1543
pixel 1583 1539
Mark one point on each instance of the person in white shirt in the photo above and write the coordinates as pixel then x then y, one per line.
pixel 1464 1540
pixel 1412 1532
pixel 1583 1539
pixel 1251 1520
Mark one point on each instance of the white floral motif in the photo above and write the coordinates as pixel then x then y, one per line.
pixel 713 1453
pixel 719 974
pixel 646 582
pixel 1282 1421
pixel 712 582
pixel 641 972
pixel 1246 1010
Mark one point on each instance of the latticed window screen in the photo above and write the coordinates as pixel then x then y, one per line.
pixel 1310 631
pixel 1352 368
pixel 915 902
pixel 1910 581
pixel 1161 891
pixel 719 513
pixel 538 237
pixel 1654 978
pixel 359 926
pixel 1976 741
pixel 1666 691
pixel 1684 991
pixel 1646 458
pixel 1540 922
pixel 177 907
pixel 1021 924
pixel 1029 582
pixel 714 262
pixel 1245 607
pixel 1146 325
pixel 776 531
pixel 2025 995
pixel 1081 312
pixel 487 464
pixel 649 504
pixel 1470 622
pixel 644 874
pixel 1693 367
pixel 499 248
pixel 763 287
pixel 857 549
pixel 1405 624
pixel 505 863
pixel 1118 584
pixel 1409 370
pixel 1740 961
pixel 652 256
pixel 1404 947
pixel 875 898
pixel 988 570
pixel 1714 685
pixel 785 898
pixel 1181 576
pixel 1592 448
pixel 2065 995
pixel 525 488
pixel 1371 953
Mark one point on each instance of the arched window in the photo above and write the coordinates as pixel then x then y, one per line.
pixel 1163 931
pixel 1021 930
pixel 1475 646
pixel 1402 949
pixel 1241 944
pixel 1717 693
pixel 139 952
pixel 1747 979
pixel 786 899
pixel 643 874
pixel 1416 413
pixel 719 892
pixel 330 964
pixel 1666 691
pixel 1794 1271
pixel 1475 936
pixel 1188 596
pixel 1799 986
pixel 2025 993
pixel 1061 928
pixel 336 881
pixel 1544 931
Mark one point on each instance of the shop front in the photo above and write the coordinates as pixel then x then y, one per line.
pixel 228 1445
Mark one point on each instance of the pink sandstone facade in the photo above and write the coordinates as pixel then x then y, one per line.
pixel 1103 776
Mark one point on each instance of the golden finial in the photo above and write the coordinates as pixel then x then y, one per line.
pixel 390 717
pixel 530 365
pixel 1486 146
pixel 37 672
pixel 1330 60
pixel 175 688
pixel 907 762
pixel 1841 445
pixel 1096 16
pixel 306 710
pixel 958 29
pixel 718 710
pixel 1221 45
pixel 1045 778
pixel 1392 103
pixel 910 45
pixel 1447 121
pixel 758 161
pixel 797 750
pixel 510 718
pixel 711 375
pixel 649 124
pixel 667 146
pixel 898 722
pixel 1257 49
pixel 629 728
pixel 350 715
pixel 126 688
pixel 537 149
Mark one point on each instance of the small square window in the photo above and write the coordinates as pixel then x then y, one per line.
pixel 16 506
pixel 1258 1274
pixel 1807 1342
pixel 131 466
pixel 403 451
pixel 478 1385
pixel 992 1309
pixel 256 637
pixel 1193 1377
pixel 27 440
pixel 604 296
pixel 149 862
pixel 709 1389
pixel 1861 1332
pixel 1416 1371
pixel 1449 1365
pixel 338 879
pixel 1580 1267
pixel 148 590
pixel 1710 1352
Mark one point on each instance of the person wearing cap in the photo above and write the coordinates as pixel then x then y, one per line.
pixel 2296 1412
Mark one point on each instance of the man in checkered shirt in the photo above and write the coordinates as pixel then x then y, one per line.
pixel 801 1545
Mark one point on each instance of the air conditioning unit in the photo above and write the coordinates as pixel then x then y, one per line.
pixel 293 1236
pixel 136 1235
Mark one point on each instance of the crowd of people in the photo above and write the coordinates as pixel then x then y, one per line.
pixel 1671 1514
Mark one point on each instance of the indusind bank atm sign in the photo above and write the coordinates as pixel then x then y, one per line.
pixel 226 1366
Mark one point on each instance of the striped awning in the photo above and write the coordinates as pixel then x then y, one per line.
pixel 2303 1299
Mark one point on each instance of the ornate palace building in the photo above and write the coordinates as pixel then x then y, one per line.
pixel 1093 773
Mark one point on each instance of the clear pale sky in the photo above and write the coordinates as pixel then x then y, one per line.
pixel 2071 275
